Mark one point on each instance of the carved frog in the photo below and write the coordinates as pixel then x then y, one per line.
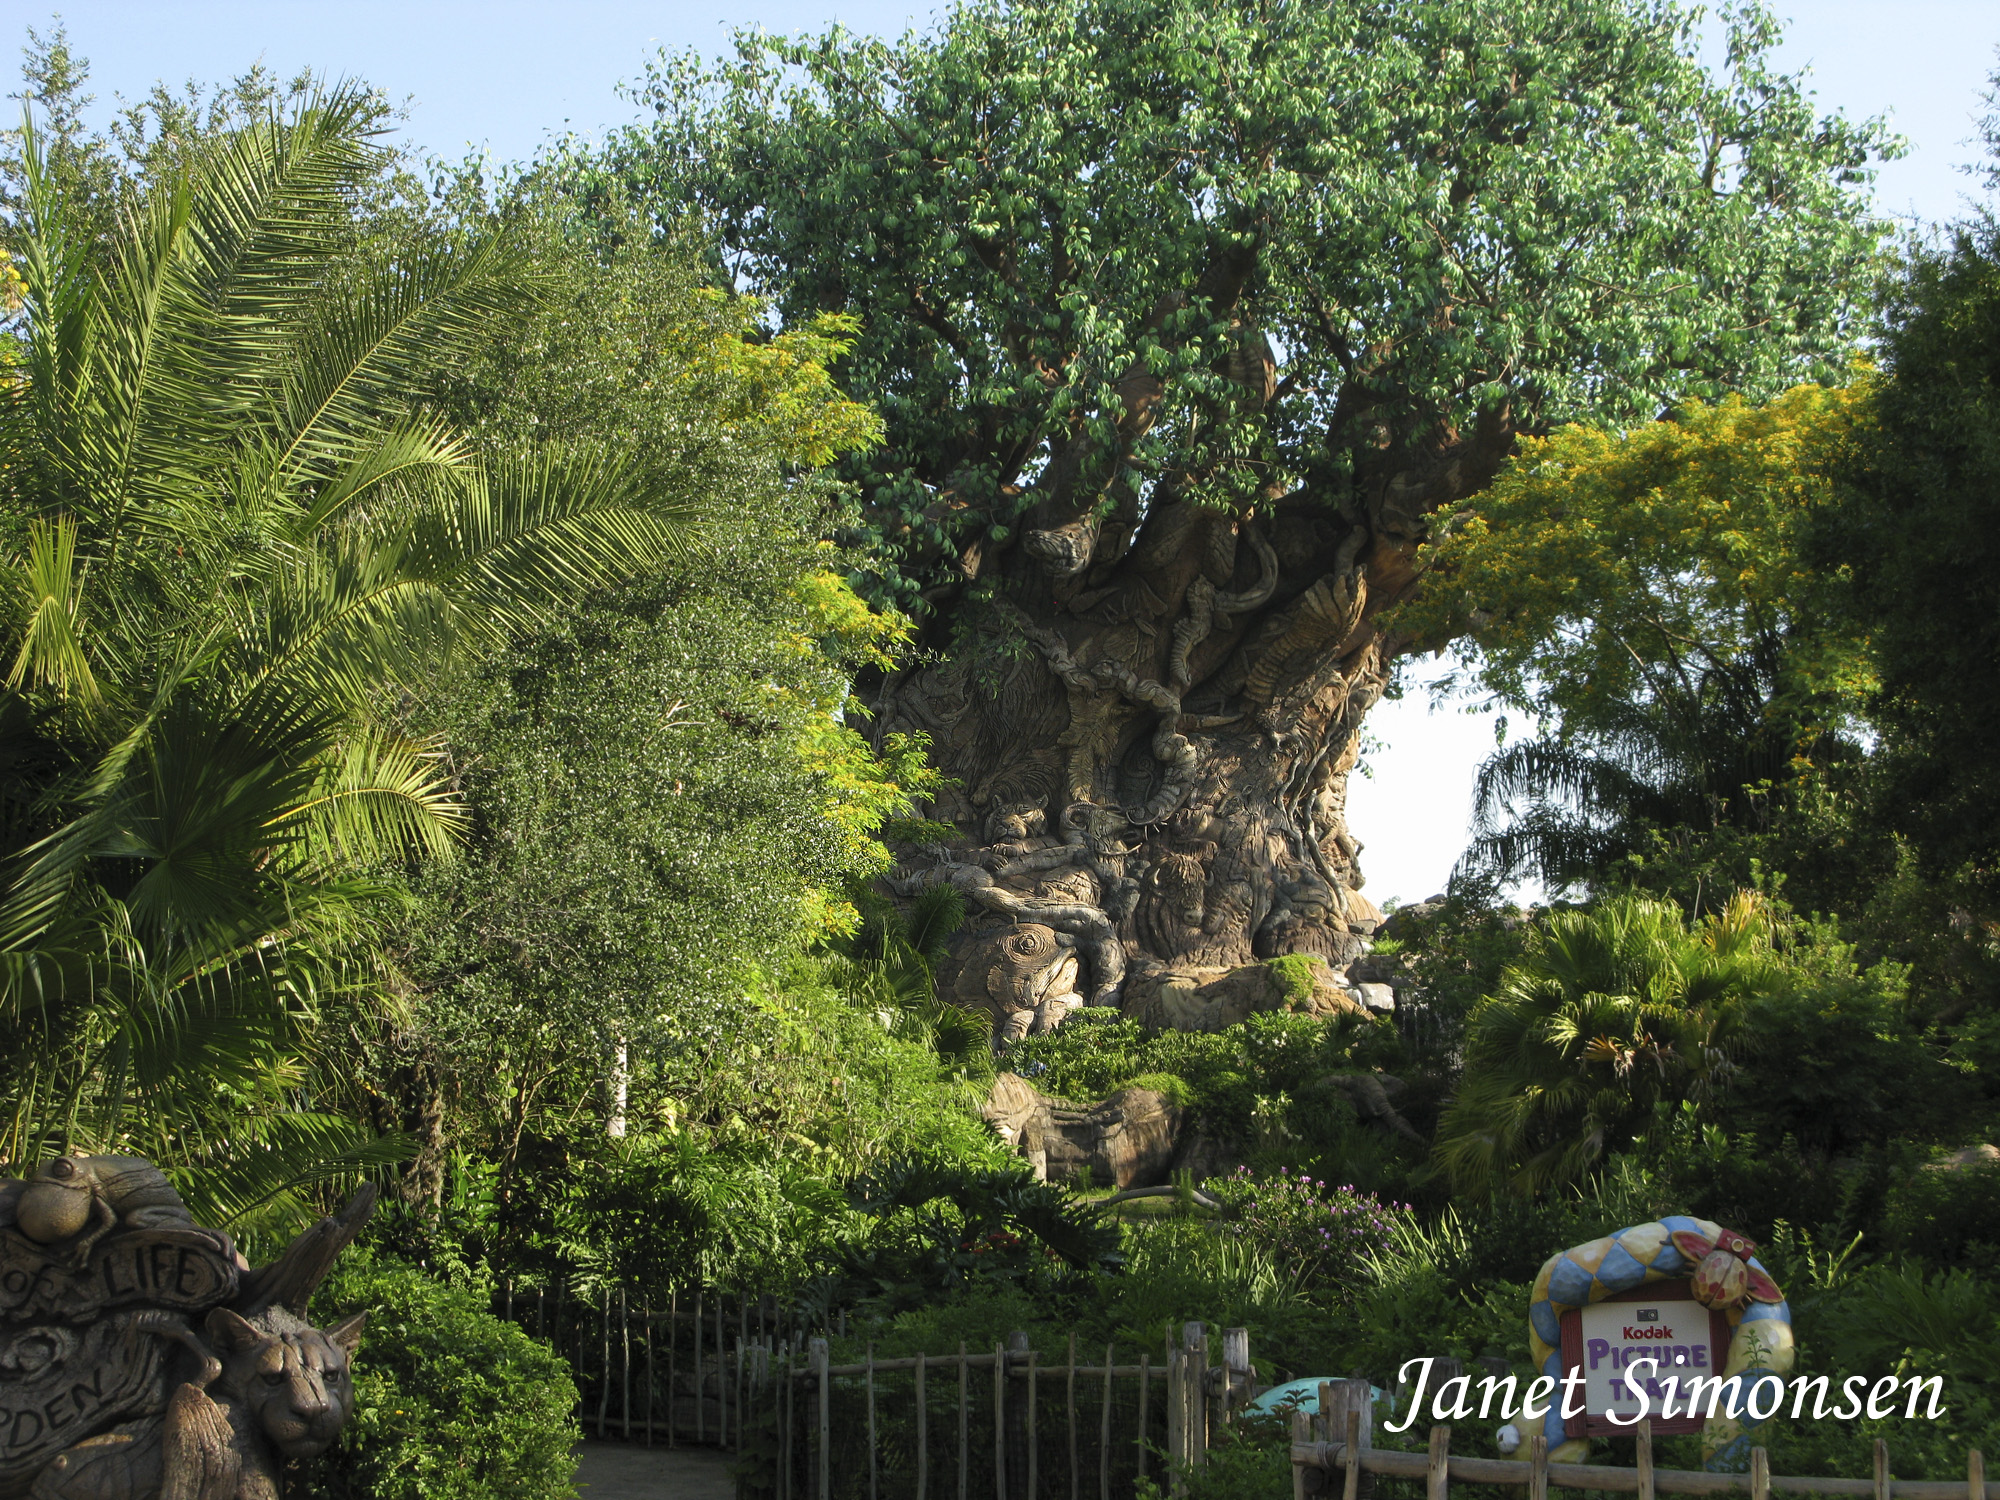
pixel 79 1199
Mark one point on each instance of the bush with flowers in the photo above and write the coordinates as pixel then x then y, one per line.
pixel 1322 1235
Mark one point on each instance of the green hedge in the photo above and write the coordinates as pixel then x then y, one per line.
pixel 451 1402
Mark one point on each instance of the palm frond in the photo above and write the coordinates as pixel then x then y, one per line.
pixel 52 653
pixel 234 1178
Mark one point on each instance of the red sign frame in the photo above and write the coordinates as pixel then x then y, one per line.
pixel 1592 1424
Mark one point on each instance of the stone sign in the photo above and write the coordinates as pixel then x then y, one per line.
pixel 135 1345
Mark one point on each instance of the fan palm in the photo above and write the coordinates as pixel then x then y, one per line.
pixel 240 545
pixel 1617 1008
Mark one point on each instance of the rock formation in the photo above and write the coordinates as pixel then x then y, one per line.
pixel 1128 1140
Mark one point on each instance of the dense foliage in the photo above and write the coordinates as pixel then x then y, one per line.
pixel 1652 598
pixel 427 743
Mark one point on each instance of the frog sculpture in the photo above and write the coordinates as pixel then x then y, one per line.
pixel 142 1357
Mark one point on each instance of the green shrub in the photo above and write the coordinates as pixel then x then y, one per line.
pixel 1169 1086
pixel 450 1402
pixel 1947 1218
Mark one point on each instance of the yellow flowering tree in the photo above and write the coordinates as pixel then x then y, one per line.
pixel 1651 597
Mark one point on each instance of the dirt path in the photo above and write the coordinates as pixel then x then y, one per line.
pixel 618 1471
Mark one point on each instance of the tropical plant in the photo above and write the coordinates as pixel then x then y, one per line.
pixel 1647 596
pixel 237 548
pixel 890 966
pixel 1612 1009
pixel 943 1226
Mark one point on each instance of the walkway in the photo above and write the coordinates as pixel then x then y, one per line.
pixel 621 1471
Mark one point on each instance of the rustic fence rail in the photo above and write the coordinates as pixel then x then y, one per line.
pixel 1315 1459
pixel 756 1377
pixel 1014 1422
pixel 659 1374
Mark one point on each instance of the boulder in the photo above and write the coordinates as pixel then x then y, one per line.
pixel 1970 1157
pixel 1406 922
pixel 1379 999
pixel 1127 1140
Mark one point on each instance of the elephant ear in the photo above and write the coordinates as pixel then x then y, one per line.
pixel 1693 1248
pixel 1762 1288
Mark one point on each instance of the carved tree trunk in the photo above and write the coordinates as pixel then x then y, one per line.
pixel 1150 723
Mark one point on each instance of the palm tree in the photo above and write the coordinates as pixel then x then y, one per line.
pixel 1616 1009
pixel 240 547
pixel 1707 747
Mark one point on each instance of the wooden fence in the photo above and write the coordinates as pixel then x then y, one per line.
pixel 1316 1459
pixel 1009 1423
pixel 660 1375
pixel 1015 1423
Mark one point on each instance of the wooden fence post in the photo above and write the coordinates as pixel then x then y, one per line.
pixel 964 1403
pixel 1236 1373
pixel 652 1370
pixel 1069 1405
pixel 1881 1470
pixel 1349 1409
pixel 787 1415
pixel 1033 1487
pixel 822 1367
pixel 923 1433
pixel 1104 1430
pixel 1194 1401
pixel 1538 1467
pixel 1437 1466
pixel 1760 1475
pixel 999 1422
pixel 625 1340
pixel 1642 1454
pixel 1145 1406
pixel 1018 1429
pixel 1301 1433
pixel 1975 1475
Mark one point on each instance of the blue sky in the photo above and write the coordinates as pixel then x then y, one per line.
pixel 503 76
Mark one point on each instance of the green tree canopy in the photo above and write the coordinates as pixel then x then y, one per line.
pixel 1103 251
pixel 1918 529
pixel 1183 320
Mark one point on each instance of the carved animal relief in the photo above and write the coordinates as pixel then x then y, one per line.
pixel 140 1356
